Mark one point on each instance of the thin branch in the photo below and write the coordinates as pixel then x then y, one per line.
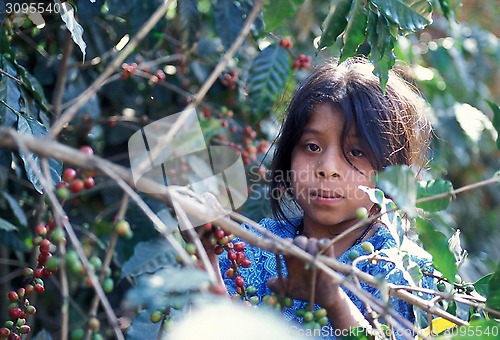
pixel 62 75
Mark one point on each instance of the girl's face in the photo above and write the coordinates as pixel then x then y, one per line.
pixel 324 184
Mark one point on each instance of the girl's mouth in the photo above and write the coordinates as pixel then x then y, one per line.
pixel 324 195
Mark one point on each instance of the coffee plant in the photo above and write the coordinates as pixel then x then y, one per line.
pixel 84 254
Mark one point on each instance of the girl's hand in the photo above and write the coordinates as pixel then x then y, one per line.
pixel 342 312
pixel 300 277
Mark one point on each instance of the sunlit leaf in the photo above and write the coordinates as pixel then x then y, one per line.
pixel 76 30
pixel 410 15
pixel 436 244
pixel 399 183
pixel 432 188
pixel 335 22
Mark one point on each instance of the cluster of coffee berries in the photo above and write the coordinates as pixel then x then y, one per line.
pixel 230 80
pixel 286 43
pixel 71 182
pixel 19 307
pixel 312 319
pixel 302 61
pixel 144 70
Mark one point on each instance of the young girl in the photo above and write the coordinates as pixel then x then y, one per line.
pixel 339 130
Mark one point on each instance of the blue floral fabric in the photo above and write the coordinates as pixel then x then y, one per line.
pixel 264 266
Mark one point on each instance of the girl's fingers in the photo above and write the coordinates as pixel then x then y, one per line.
pixel 301 242
pixel 312 246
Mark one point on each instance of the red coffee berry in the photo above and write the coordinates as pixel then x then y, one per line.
pixel 231 255
pixel 239 246
pixel 45 246
pixel 42 258
pixel 39 288
pixel 4 332
pixel 246 263
pixel 38 273
pixel 40 229
pixel 87 149
pixel 240 257
pixel 21 292
pixel 240 282
pixel 14 336
pixel 69 174
pixel 15 312
pixel 13 296
pixel 25 329
pixel 88 182
pixel 76 185
pixel 29 289
pixel 219 234
pixel 230 273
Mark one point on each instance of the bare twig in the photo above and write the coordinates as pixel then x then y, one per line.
pixel 62 75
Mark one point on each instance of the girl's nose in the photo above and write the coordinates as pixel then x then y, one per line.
pixel 328 167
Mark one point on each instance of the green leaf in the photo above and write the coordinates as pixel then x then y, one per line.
pixel 335 23
pixel 28 125
pixel 481 285
pixel 381 35
pixel 16 209
pixel 149 257
pixel 190 22
pixel 276 11
pixel 493 297
pixel 436 244
pixel 399 183
pixel 228 21
pixel 431 188
pixel 10 93
pixel 267 77
pixel 410 15
pixel 496 119
pixel 355 31
pixel 6 225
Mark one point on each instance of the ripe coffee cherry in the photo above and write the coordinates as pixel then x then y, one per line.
pixel 230 273
pixel 4 332
pixel 231 255
pixel 240 282
pixel 40 229
pixel 39 288
pixel 76 186
pixel 25 329
pixel 246 262
pixel 45 246
pixel 15 312
pixel 87 149
pixel 14 336
pixel 13 296
pixel 88 182
pixel 239 246
pixel 69 174
pixel 219 234
pixel 218 249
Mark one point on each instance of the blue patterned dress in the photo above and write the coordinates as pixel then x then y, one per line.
pixel 264 267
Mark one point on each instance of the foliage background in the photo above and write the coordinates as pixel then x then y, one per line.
pixel 454 63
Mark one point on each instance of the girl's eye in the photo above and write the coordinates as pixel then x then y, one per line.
pixel 312 147
pixel 356 153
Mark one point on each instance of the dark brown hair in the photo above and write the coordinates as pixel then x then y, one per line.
pixel 390 126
